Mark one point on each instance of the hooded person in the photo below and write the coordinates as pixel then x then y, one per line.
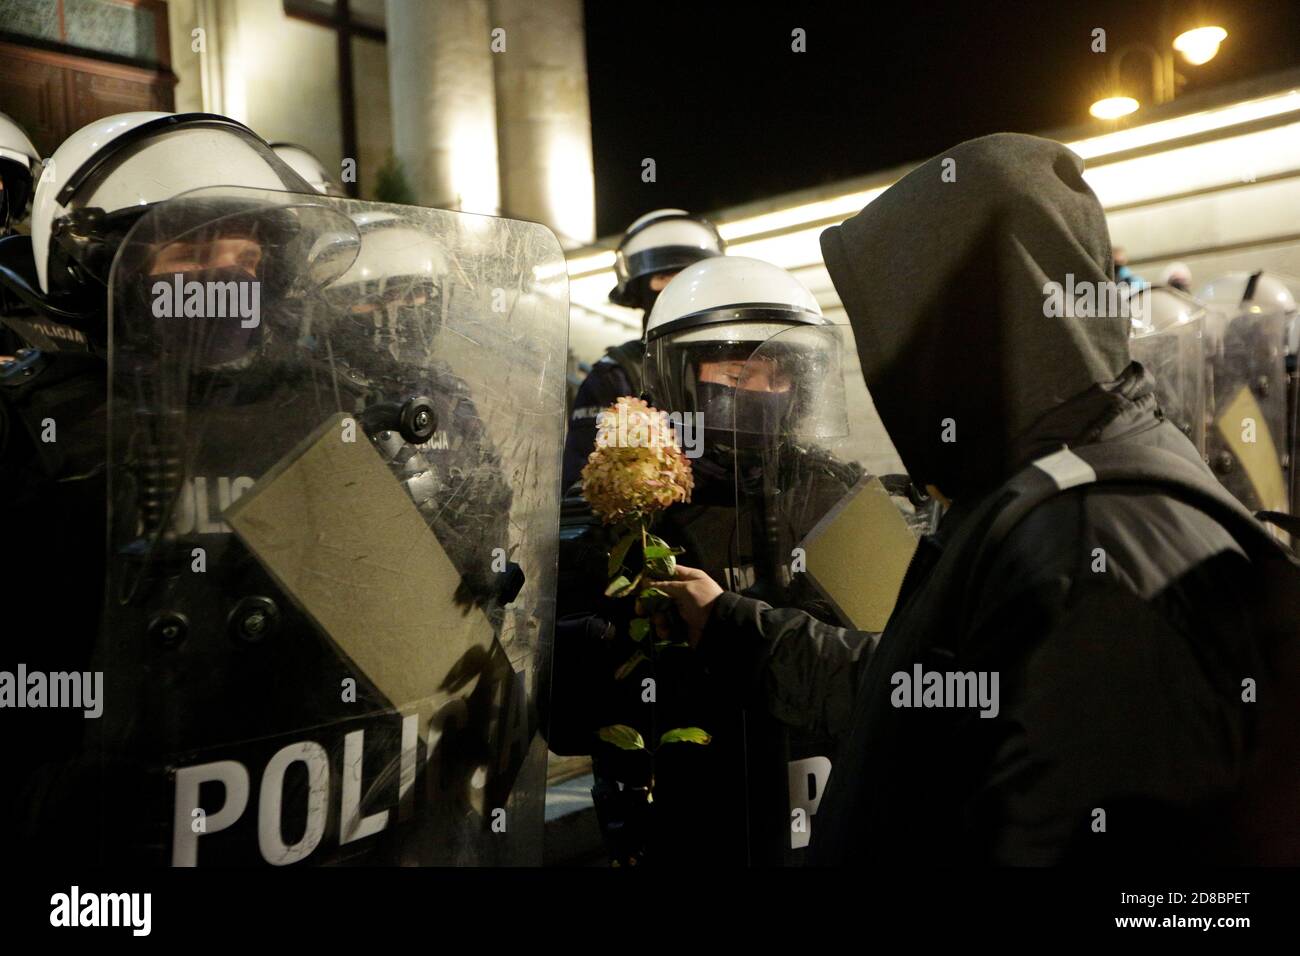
pixel 1080 697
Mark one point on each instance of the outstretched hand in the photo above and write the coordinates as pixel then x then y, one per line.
pixel 693 593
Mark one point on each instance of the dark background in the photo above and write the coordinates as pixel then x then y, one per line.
pixel 712 91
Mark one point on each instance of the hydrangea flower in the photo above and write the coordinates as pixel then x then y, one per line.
pixel 637 469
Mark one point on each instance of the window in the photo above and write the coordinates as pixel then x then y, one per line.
pixel 358 25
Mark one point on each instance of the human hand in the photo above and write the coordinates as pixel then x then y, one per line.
pixel 693 593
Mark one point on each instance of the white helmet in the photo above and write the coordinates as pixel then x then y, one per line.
pixel 304 162
pixel 1156 309
pixel 705 326
pixel 666 240
pixel 19 163
pixel 1254 293
pixel 1248 291
pixel 391 247
pixel 390 292
pixel 732 289
pixel 106 174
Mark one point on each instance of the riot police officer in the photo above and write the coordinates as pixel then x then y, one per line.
pixel 654 249
pixel 53 426
pixel 217 654
pixel 726 802
pixel 1251 344
pixel 387 309
pixel 19 163
pixel 1168 338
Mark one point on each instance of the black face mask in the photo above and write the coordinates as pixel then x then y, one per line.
pixel 209 342
pixel 753 416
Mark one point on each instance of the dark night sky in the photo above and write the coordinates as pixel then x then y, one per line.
pixel 712 91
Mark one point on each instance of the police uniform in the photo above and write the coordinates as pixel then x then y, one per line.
pixel 724 803
pixel 616 374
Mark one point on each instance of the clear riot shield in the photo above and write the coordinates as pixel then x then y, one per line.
pixel 827 522
pixel 334 498
pixel 1247 433
pixel 1175 357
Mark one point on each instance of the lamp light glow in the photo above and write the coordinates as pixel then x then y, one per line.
pixel 1113 107
pixel 1200 45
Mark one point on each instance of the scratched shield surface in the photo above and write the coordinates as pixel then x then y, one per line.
pixel 335 433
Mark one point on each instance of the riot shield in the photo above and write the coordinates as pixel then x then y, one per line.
pixel 828 522
pixel 1247 433
pixel 334 497
pixel 1174 353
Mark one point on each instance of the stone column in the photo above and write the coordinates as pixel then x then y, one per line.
pixel 443 105
pixel 543 116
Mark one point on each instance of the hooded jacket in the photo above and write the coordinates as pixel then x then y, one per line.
pixel 946 278
pixel 1116 728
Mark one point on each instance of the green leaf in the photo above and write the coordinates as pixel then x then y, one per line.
pixel 652 599
pixel 630 665
pixel 654 541
pixel 622 736
pixel 618 587
pixel 660 645
pixel 658 551
pixel 638 628
pixel 685 735
pixel 665 567
pixel 618 553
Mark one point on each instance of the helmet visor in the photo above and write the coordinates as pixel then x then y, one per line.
pixel 156 162
pixel 750 378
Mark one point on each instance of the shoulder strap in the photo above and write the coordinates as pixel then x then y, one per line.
pixel 1288 523
pixel 1117 464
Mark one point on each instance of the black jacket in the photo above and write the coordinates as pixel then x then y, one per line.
pixel 618 373
pixel 1116 622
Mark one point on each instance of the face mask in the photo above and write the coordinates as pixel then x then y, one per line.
pixel 749 414
pixel 209 341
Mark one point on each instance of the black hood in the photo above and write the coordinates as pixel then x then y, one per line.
pixel 943 279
